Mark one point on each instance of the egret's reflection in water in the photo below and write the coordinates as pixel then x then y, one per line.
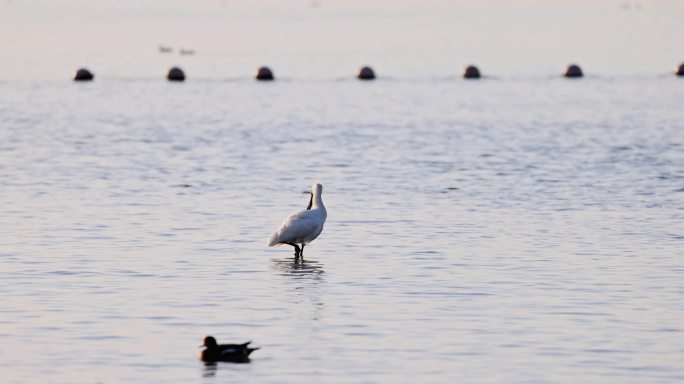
pixel 305 279
pixel 299 268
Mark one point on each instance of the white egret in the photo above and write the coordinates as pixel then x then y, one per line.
pixel 302 227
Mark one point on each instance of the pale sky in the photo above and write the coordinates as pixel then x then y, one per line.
pixel 42 37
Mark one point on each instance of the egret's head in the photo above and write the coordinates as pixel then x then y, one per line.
pixel 316 189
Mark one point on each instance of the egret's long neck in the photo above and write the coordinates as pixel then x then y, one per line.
pixel 317 201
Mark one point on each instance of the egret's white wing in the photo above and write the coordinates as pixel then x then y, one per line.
pixel 295 228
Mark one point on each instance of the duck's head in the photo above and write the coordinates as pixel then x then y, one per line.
pixel 210 342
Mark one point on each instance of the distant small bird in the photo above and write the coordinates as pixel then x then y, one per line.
pixel 302 227
pixel 233 353
pixel 164 49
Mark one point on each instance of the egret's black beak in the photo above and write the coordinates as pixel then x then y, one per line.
pixel 310 201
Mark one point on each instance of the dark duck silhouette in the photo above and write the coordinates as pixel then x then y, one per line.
pixel 234 353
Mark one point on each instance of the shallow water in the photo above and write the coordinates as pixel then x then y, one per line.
pixel 514 229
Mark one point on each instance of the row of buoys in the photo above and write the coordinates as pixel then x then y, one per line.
pixel 364 73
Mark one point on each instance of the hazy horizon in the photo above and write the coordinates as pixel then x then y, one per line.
pixel 437 37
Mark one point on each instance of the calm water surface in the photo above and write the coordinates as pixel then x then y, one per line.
pixel 509 230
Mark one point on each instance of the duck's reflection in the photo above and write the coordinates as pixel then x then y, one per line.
pixel 209 369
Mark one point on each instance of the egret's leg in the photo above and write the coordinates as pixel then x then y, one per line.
pixel 297 251
pixel 301 253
